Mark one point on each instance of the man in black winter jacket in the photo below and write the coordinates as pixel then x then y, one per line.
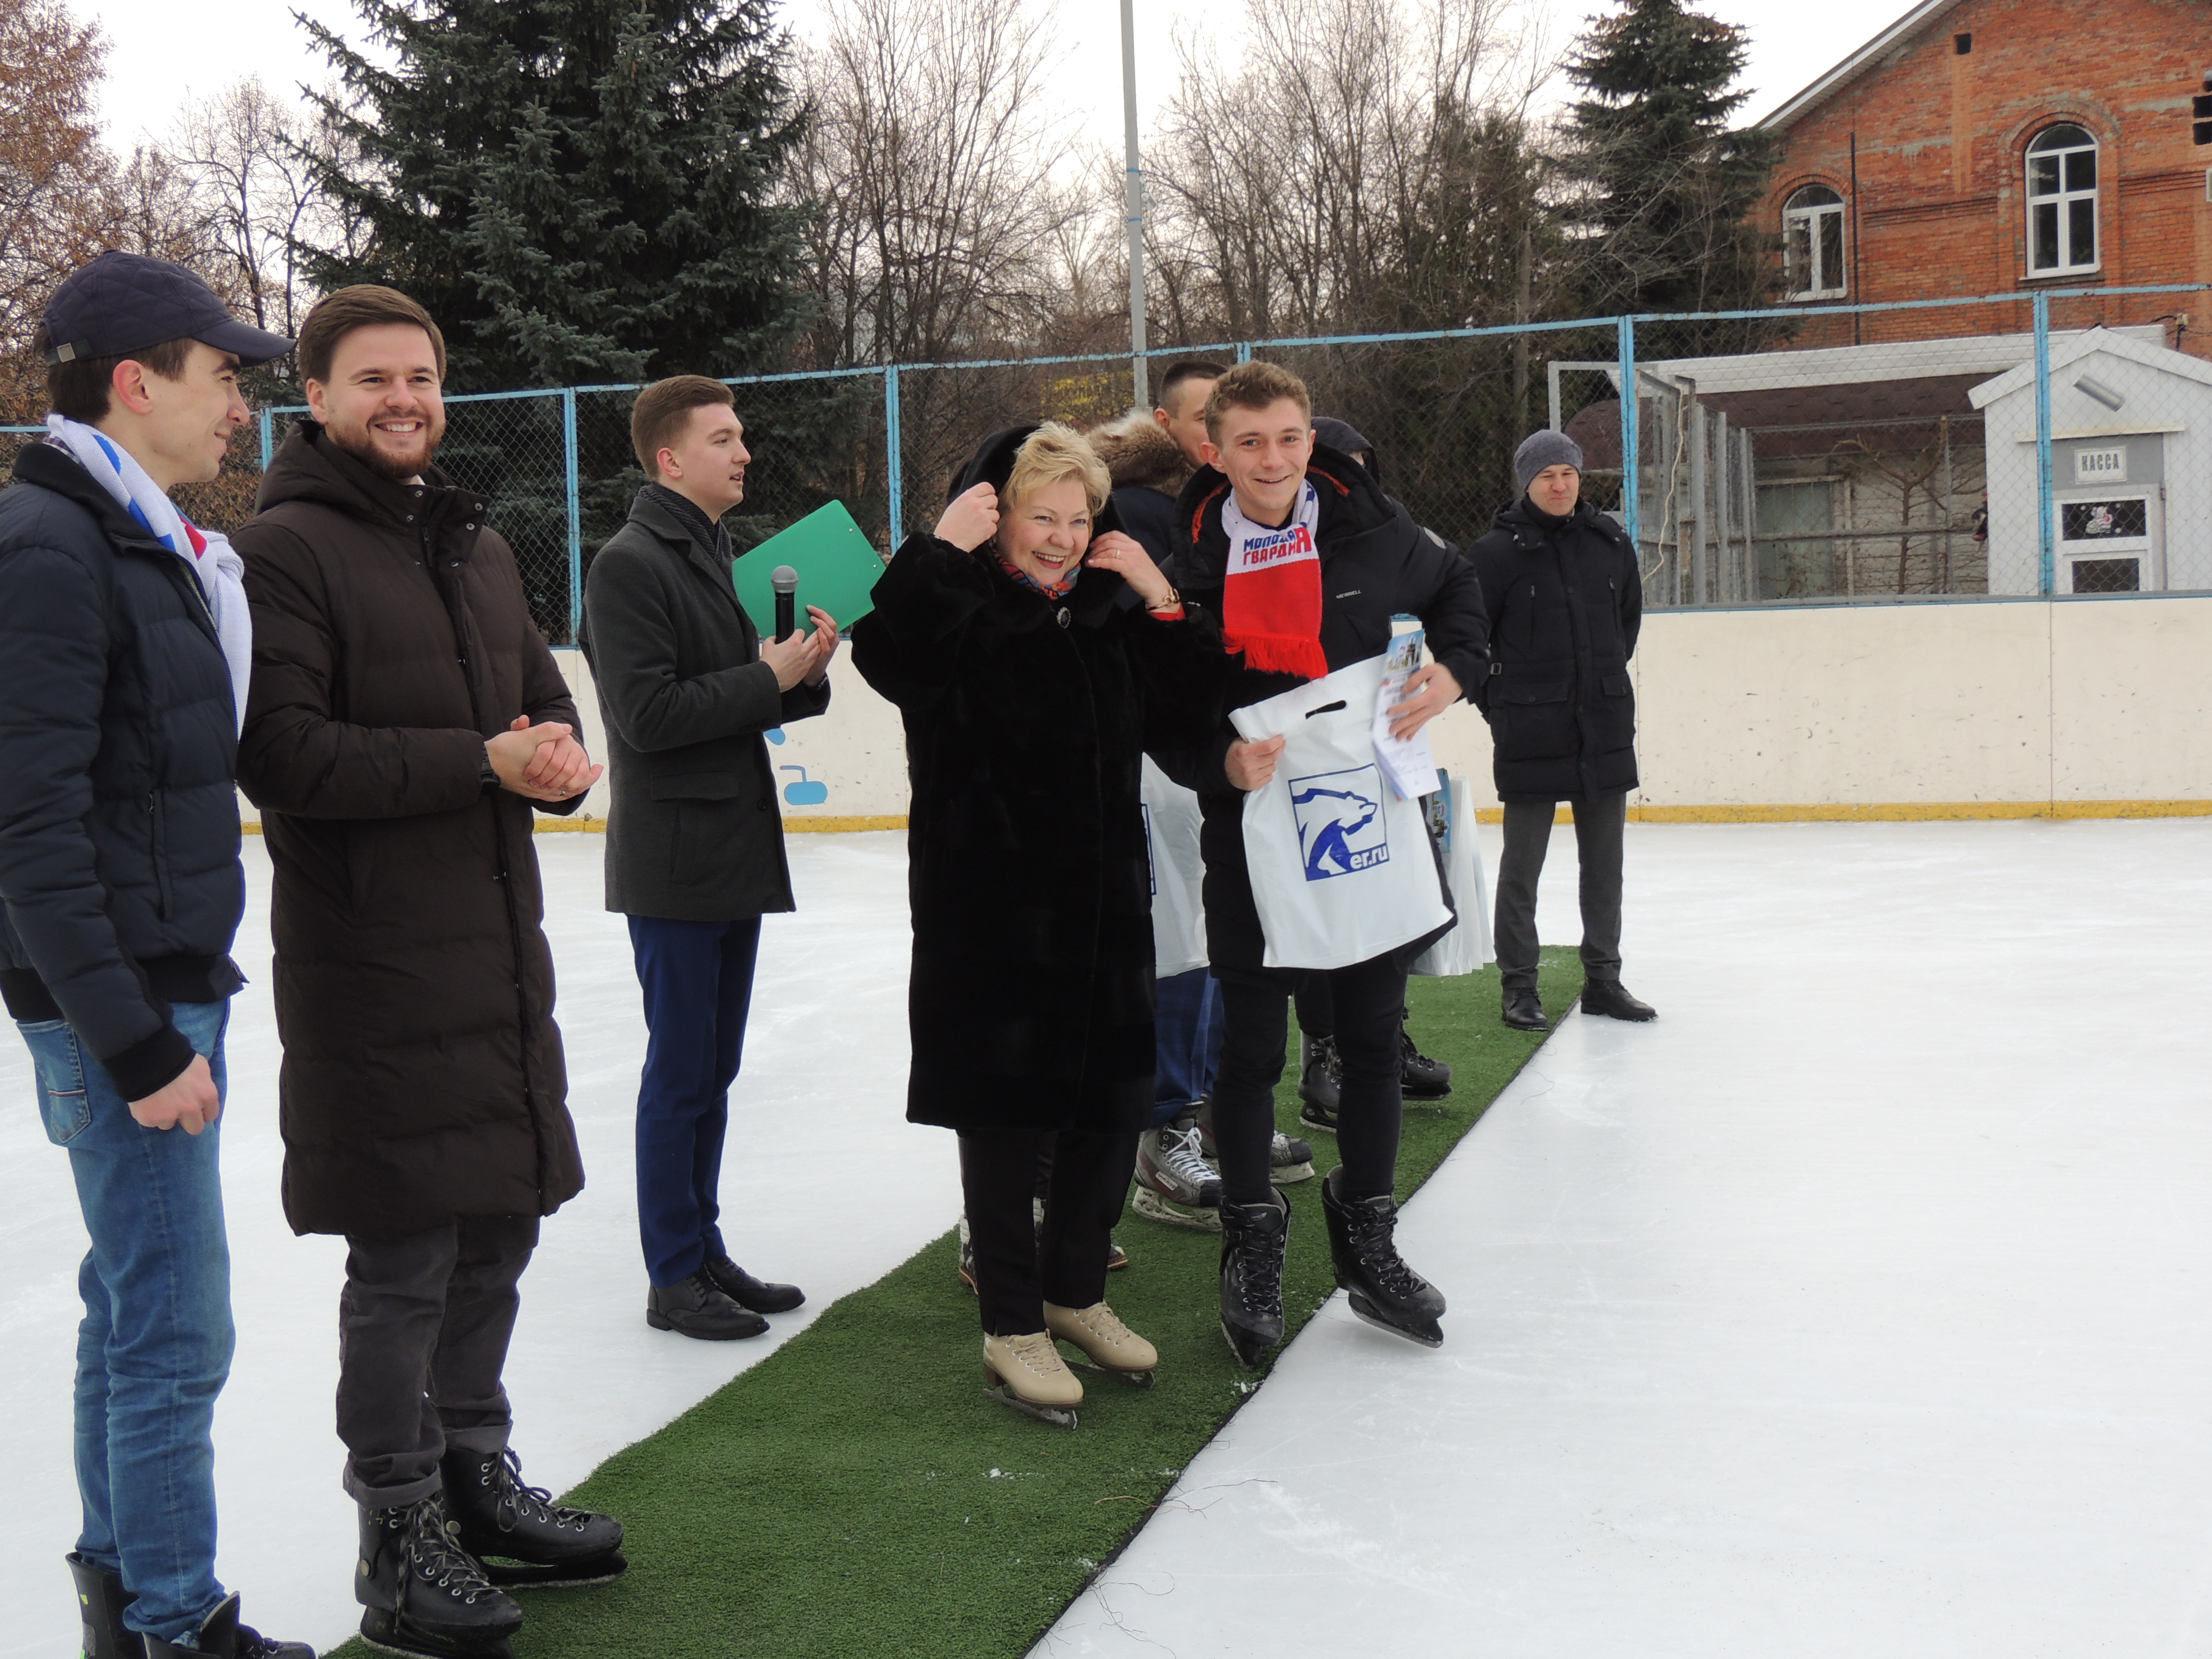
pixel 1565 599
pixel 124 648
pixel 1272 505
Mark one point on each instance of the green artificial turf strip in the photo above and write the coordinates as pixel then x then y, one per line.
pixel 856 1494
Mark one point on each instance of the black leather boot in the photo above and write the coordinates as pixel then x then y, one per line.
pixel 1522 1011
pixel 756 1294
pixel 1606 997
pixel 498 1520
pixel 699 1307
pixel 1252 1239
pixel 1383 1290
pixel 425 1594
pixel 101 1599
pixel 222 1637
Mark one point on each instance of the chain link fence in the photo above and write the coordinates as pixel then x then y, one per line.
pixel 2048 443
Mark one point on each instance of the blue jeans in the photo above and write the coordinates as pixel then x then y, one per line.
pixel 698 982
pixel 154 1348
pixel 1189 1037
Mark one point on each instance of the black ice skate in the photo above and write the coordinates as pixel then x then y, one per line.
pixel 222 1637
pixel 1321 1082
pixel 101 1599
pixel 521 1538
pixel 1252 1239
pixel 426 1596
pixel 1420 1078
pixel 1383 1290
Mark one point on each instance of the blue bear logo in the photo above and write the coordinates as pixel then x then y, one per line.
pixel 1339 818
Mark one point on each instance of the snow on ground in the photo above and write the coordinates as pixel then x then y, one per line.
pixel 1863 1305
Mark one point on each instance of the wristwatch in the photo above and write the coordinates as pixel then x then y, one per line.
pixel 488 773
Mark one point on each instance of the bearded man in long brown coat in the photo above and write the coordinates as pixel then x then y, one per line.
pixel 405 719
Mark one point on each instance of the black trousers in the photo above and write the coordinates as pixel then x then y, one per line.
pixel 1369 1003
pixel 1601 824
pixel 424 1325
pixel 1317 1008
pixel 1018 1271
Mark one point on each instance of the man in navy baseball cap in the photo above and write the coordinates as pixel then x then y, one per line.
pixel 122 303
pixel 125 643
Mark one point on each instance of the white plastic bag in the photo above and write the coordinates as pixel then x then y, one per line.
pixel 1178 872
pixel 1341 869
pixel 1467 948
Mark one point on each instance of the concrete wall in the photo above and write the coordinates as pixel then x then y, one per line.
pixel 1981 709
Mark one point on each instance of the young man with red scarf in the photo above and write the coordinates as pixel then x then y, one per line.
pixel 1306 560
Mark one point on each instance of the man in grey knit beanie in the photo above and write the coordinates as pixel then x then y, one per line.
pixel 1560 585
pixel 1539 450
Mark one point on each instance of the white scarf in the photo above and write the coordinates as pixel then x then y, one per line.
pixel 207 553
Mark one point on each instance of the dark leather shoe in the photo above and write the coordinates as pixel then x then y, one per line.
pixel 1523 1012
pixel 1606 996
pixel 742 1288
pixel 698 1308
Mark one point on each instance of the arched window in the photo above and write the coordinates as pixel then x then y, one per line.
pixel 2062 201
pixel 1813 243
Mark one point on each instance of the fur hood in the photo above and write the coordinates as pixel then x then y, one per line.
pixel 1139 455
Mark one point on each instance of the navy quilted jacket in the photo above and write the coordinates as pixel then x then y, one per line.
pixel 118 742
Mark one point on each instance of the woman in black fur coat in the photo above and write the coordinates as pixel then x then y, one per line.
pixel 1035 652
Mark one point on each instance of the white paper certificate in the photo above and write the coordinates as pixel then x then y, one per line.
pixel 1405 761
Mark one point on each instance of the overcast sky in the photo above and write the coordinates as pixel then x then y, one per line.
pixel 162 51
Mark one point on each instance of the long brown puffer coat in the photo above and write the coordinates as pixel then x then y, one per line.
pixel 422 1077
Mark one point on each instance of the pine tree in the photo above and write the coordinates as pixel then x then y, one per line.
pixel 578 189
pixel 1669 189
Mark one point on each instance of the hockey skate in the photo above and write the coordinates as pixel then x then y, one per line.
pixel 1289 1161
pixel 1252 1239
pixel 1175 1184
pixel 101 1599
pixel 1420 1078
pixel 222 1637
pixel 519 1537
pixel 425 1596
pixel 1027 1373
pixel 1321 1083
pixel 1108 1347
pixel 1383 1290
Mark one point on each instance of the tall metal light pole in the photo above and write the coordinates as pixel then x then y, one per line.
pixel 1134 190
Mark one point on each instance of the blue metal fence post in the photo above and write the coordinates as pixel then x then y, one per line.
pixel 1243 353
pixel 1630 505
pixel 2046 552
pixel 267 438
pixel 893 473
pixel 576 516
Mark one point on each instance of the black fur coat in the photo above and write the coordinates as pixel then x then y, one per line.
pixel 1031 1001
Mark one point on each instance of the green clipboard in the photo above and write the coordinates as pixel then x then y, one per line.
pixel 838 567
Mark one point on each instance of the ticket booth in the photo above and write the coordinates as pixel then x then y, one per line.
pixel 2108 504
pixel 2130 470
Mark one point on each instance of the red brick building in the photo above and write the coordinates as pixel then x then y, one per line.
pixel 2000 146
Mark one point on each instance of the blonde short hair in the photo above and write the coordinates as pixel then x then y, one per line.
pixel 1053 454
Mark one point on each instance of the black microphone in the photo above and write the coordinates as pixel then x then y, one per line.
pixel 785 581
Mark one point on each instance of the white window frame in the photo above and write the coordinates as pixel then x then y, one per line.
pixel 1810 217
pixel 2061 202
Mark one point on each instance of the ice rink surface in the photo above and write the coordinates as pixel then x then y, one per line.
pixel 1863 1305
pixel 832 1189
pixel 1860 1306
